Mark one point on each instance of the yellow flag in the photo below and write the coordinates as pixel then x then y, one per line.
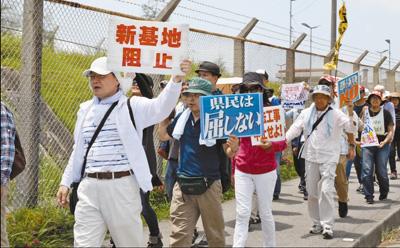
pixel 331 65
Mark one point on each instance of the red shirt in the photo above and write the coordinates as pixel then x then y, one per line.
pixel 254 159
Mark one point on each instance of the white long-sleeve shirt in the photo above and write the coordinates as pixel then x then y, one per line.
pixel 319 148
pixel 146 112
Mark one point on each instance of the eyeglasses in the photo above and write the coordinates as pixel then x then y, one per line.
pixel 94 76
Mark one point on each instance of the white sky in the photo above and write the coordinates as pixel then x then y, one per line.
pixel 370 22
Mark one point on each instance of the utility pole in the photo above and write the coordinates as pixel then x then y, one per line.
pixel 388 41
pixel 333 23
pixel 291 28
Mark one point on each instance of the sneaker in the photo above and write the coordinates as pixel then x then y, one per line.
pixel 343 209
pixel 155 241
pixel 370 200
pixel 255 220
pixel 305 197
pixel 316 229
pixel 393 175
pixel 276 197
pixel 195 235
pixel 382 197
pixel 327 233
pixel 360 188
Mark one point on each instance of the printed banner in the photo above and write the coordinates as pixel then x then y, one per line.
pixel 237 114
pixel 368 135
pixel 147 47
pixel 342 28
pixel 293 96
pixel 274 126
pixel 348 89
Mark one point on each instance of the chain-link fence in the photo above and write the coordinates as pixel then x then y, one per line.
pixel 41 75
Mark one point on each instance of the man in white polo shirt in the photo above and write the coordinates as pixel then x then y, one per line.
pixel 116 167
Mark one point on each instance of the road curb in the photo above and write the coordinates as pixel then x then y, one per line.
pixel 372 238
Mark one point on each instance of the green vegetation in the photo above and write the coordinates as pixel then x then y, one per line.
pixel 40 227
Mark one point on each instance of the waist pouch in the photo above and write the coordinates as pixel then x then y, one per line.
pixel 194 185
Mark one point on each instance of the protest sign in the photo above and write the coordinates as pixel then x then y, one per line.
pixel 293 96
pixel 274 126
pixel 147 47
pixel 348 89
pixel 238 114
pixel 368 135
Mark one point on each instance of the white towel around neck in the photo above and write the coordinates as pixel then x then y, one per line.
pixel 180 127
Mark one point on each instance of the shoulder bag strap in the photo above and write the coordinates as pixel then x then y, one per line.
pixel 96 133
pixel 131 113
pixel 316 123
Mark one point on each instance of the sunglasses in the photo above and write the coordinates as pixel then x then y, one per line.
pixel 250 89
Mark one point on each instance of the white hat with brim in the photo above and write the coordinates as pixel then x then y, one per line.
pixel 100 67
pixel 322 89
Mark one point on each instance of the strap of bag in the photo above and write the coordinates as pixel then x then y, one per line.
pixel 319 120
pixel 131 113
pixel 96 133
pixel 316 123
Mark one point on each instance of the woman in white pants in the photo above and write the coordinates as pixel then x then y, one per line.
pixel 255 173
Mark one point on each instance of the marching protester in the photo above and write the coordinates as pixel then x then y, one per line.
pixel 173 154
pixel 395 146
pixel 358 107
pixel 143 86
pixel 255 173
pixel 199 190
pixel 8 131
pixel 341 179
pixel 108 158
pixel 375 158
pixel 322 126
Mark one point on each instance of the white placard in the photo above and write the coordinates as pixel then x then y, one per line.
pixel 274 126
pixel 146 47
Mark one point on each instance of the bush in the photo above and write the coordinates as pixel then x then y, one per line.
pixel 40 227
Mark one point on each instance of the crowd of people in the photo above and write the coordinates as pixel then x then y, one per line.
pixel 114 158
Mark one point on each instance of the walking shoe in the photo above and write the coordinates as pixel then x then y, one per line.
pixel 327 233
pixel 343 209
pixel 305 197
pixel 382 197
pixel 155 241
pixel 195 235
pixel 370 200
pixel 360 188
pixel 276 197
pixel 316 229
pixel 393 175
pixel 255 220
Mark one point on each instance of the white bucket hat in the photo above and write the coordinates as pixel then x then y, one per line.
pixel 100 67
pixel 322 89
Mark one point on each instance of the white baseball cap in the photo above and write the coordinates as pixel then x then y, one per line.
pixel 322 89
pixel 100 67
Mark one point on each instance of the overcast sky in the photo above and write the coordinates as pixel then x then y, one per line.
pixel 370 21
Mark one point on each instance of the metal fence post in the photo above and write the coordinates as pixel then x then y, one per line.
pixel 29 109
pixel 391 79
pixel 238 48
pixel 291 59
pixel 356 63
pixel 376 70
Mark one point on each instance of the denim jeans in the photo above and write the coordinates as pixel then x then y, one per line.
pixel 348 168
pixel 395 144
pixel 149 215
pixel 170 177
pixel 375 160
pixel 278 157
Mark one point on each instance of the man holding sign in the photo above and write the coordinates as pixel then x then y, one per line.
pixel 108 161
